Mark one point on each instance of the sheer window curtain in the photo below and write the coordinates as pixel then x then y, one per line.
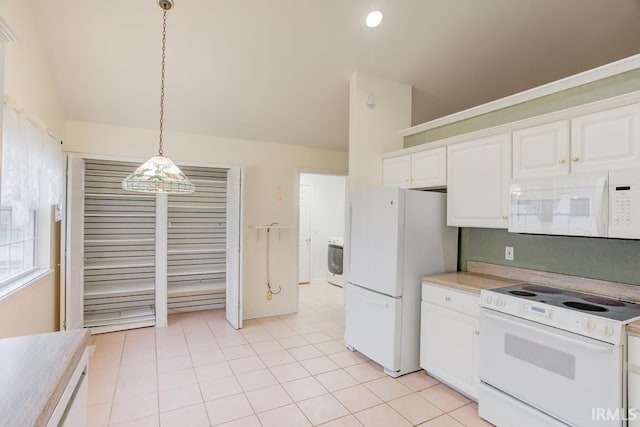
pixel 28 154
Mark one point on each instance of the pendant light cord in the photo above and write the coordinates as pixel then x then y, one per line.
pixel 164 48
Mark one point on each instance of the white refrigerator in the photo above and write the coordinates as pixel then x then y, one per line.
pixel 396 236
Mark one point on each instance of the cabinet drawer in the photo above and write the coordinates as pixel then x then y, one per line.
pixel 451 299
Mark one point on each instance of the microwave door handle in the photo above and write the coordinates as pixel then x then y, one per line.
pixel 599 348
pixel 600 210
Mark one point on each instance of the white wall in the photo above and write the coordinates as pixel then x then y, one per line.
pixel 374 130
pixel 28 83
pixel 327 218
pixel 270 193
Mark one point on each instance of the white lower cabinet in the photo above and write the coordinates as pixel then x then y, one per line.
pixel 449 329
pixel 633 380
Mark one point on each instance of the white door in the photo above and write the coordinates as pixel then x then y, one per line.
pixel 304 234
pixel 375 239
pixel 606 140
pixel 396 171
pixel 429 168
pixel 234 252
pixel 541 150
pixel 73 252
pixel 478 177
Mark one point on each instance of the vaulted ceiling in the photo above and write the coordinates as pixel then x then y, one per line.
pixel 278 70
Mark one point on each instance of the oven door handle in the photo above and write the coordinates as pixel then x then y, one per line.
pixel 601 349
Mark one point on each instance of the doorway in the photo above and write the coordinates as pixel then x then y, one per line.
pixel 322 216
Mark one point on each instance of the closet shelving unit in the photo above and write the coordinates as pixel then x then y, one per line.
pixel 197 243
pixel 119 249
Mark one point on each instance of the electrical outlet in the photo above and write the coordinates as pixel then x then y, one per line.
pixel 269 295
pixel 508 253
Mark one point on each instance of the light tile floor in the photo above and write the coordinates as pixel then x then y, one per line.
pixel 291 370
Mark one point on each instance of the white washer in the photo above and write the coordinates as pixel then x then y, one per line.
pixel 335 261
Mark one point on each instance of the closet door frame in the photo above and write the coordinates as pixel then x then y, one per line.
pixel 71 304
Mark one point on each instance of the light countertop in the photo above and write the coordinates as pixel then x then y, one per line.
pixel 34 371
pixel 474 282
pixel 469 282
pixel 634 328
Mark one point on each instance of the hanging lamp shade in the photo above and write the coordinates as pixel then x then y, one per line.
pixel 159 174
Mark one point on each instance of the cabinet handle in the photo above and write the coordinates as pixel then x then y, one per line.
pixel 505 217
pixel 447 298
pixel 575 158
pixel 407 180
pixel 561 161
pixel 477 332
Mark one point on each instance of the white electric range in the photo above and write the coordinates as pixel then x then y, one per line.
pixel 552 357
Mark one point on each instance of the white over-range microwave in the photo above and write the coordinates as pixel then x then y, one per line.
pixel 595 204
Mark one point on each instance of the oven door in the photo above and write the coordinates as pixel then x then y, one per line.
pixel 573 378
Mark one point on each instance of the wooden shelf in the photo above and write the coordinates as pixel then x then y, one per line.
pixel 119 264
pixel 125 215
pixel 196 226
pixel 196 207
pixel 192 271
pixel 150 240
pixel 209 181
pixel 188 289
pixel 118 289
pixel 196 251
pixel 120 196
pixel 119 317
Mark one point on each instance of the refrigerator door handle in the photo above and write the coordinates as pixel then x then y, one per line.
pixel 367 298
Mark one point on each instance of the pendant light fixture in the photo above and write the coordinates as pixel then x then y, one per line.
pixel 159 174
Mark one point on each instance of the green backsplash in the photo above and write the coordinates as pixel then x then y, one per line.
pixel 590 92
pixel 606 259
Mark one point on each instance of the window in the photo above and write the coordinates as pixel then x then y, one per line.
pixel 32 181
pixel 17 245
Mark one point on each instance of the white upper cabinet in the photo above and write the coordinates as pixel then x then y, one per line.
pixel 423 169
pixel 396 171
pixel 478 176
pixel 542 150
pixel 607 139
pixel 429 168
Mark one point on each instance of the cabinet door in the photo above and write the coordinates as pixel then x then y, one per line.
pixel 429 168
pixel 633 379
pixel 396 171
pixel 606 140
pixel 478 175
pixel 448 347
pixel 541 150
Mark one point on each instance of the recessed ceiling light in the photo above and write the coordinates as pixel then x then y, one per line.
pixel 374 19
